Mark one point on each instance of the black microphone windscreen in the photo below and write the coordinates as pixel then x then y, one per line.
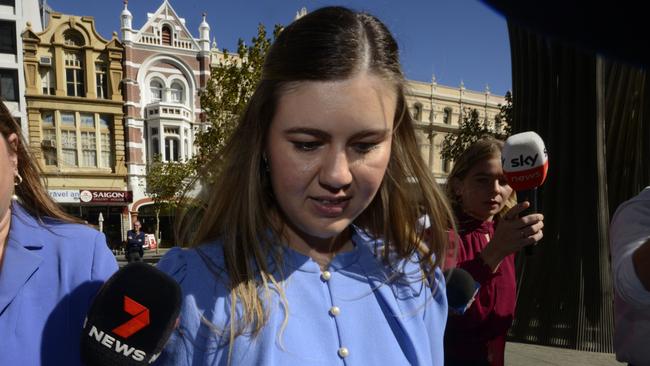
pixel 131 318
pixel 461 288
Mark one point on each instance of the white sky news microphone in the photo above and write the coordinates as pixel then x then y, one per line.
pixel 525 165
pixel 461 289
pixel 131 318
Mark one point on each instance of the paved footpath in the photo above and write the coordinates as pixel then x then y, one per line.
pixel 517 354
pixel 521 354
pixel 150 256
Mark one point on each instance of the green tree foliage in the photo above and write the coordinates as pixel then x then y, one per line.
pixel 166 184
pixel 472 128
pixel 505 116
pixel 231 85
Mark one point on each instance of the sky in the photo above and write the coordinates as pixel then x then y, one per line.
pixel 455 40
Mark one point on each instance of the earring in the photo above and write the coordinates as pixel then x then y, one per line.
pixel 17 181
pixel 267 168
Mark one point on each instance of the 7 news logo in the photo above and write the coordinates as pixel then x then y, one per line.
pixel 125 330
pixel 140 318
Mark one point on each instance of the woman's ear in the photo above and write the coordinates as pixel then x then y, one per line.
pixel 12 144
pixel 456 186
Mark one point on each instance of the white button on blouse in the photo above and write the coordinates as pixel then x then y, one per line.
pixel 343 352
pixel 334 310
pixel 326 275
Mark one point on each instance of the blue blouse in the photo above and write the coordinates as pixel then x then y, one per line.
pixel 50 273
pixel 357 312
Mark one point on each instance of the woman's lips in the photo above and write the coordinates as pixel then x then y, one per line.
pixel 330 206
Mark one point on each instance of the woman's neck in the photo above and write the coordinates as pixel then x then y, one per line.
pixel 321 250
pixel 5 224
pixel 478 217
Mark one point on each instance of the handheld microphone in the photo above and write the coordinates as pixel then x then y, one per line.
pixel 131 318
pixel 461 289
pixel 525 165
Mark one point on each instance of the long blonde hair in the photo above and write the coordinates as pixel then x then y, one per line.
pixel 331 43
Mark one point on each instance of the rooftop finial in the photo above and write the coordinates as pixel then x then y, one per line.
pixel 301 13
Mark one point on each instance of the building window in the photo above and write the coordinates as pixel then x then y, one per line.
pixel 9 84
pixel 88 141
pixel 166 35
pixel 74 76
pixel 105 148
pixel 8 2
pixel 48 82
pixel 68 139
pixel 101 81
pixel 156 147
pixel 446 165
pixel 171 149
pixel 49 138
pixel 8 37
pixel 85 139
pixel 73 38
pixel 156 89
pixel 177 93
pixel 446 119
pixel 417 112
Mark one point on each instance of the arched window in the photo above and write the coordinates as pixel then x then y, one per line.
pixel 156 88
pixel 166 35
pixel 72 37
pixel 177 93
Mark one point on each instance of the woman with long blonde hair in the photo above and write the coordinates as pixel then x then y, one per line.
pixel 308 250
pixel 489 234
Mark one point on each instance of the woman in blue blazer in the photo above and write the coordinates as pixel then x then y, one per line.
pixel 51 266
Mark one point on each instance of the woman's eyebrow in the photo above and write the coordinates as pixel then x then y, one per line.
pixel 306 131
pixel 322 134
pixel 381 132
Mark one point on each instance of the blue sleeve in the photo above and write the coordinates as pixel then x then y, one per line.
pixel 204 309
pixel 435 317
pixel 174 264
pixel 104 263
pixel 177 351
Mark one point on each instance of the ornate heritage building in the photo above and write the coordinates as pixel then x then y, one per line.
pixel 438 110
pixel 75 119
pixel 164 69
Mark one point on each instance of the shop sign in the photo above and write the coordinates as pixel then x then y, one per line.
pixel 64 195
pixel 91 196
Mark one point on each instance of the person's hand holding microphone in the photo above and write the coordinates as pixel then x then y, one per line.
pixel 512 234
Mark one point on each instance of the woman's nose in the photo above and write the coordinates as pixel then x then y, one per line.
pixel 335 170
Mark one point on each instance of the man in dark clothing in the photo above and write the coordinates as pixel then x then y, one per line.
pixel 134 242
